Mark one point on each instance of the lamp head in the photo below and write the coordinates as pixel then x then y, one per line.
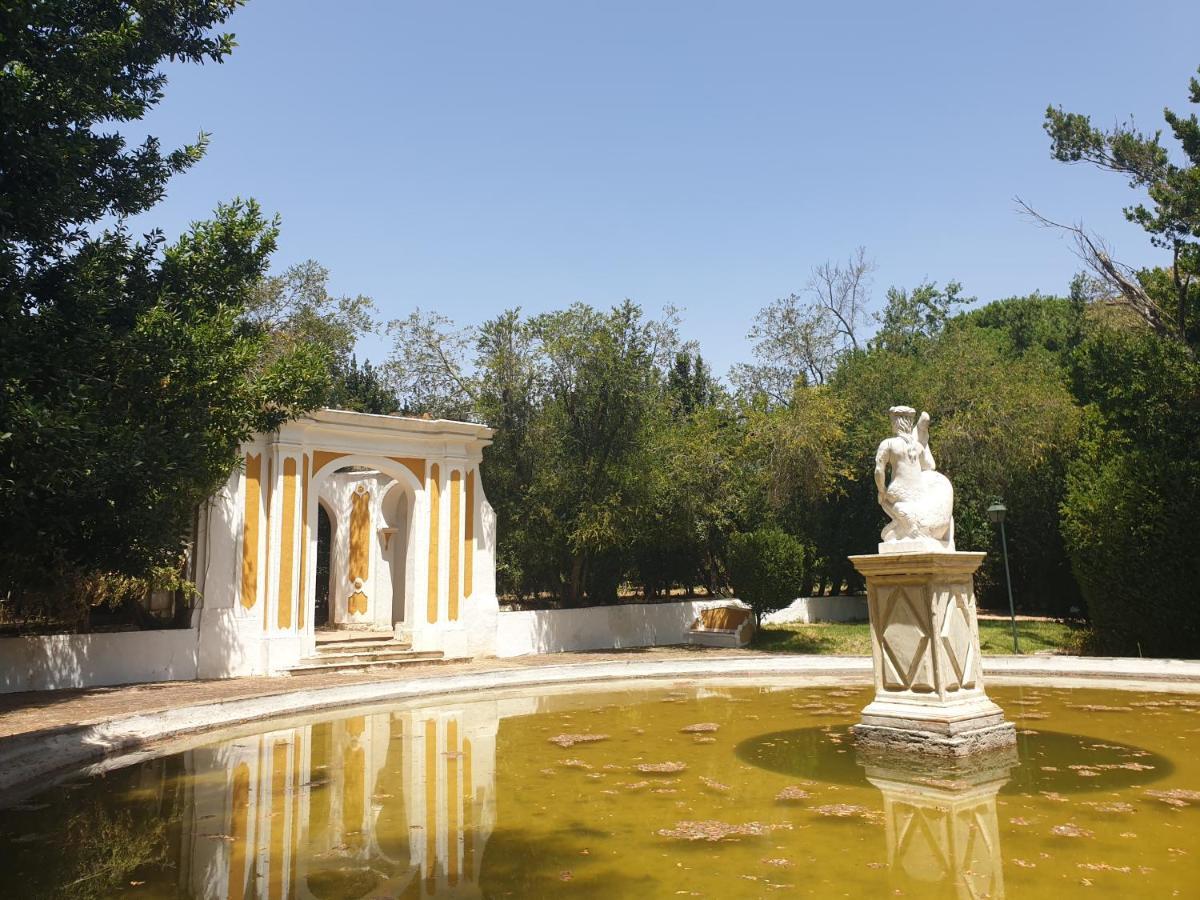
pixel 996 512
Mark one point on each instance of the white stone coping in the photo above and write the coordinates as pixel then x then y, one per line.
pixel 31 762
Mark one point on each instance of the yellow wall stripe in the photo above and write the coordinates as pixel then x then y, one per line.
pixel 252 511
pixel 452 832
pixel 239 831
pixel 468 812
pixel 431 781
pixel 279 773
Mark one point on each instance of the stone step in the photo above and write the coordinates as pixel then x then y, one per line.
pixel 315 665
pixel 401 652
pixel 359 647
pixel 343 636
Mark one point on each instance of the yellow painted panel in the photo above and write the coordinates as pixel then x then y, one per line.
pixel 287 544
pixel 468 812
pixel 455 538
pixel 414 465
pixel 452 837
pixel 469 538
pixel 353 801
pixel 435 527
pixel 303 546
pixel 360 534
pixel 239 831
pixel 322 458
pixel 723 618
pixel 279 773
pixel 252 511
pixel 297 755
pixel 431 781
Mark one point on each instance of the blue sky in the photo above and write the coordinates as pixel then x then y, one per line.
pixel 469 157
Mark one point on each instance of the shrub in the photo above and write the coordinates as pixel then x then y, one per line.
pixel 767 568
pixel 1132 507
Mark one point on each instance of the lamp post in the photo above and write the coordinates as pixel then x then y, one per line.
pixel 996 514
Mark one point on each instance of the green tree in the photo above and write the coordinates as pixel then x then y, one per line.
pixel 910 318
pixel 767 569
pixel 1172 216
pixel 604 376
pixel 360 387
pixel 799 339
pixel 1003 426
pixel 129 370
pixel 1132 504
pixel 295 308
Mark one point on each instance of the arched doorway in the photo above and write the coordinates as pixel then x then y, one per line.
pixel 397 554
pixel 324 566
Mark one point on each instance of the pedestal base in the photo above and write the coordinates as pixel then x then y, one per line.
pixel 918 740
pixel 929 695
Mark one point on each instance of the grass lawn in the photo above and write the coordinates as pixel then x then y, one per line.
pixel 854 638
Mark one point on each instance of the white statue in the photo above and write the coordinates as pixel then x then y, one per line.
pixel 919 499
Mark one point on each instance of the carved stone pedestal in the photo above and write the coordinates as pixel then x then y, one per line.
pixel 941 821
pixel 929 694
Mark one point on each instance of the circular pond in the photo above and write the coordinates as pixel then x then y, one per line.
pixel 702 789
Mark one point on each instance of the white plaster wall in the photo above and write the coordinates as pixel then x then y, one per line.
pixel 230 634
pixel 57 661
pixel 598 627
pixel 806 610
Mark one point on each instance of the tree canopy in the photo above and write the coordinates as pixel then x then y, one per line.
pixel 131 369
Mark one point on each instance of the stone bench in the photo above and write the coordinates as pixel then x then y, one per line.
pixel 728 625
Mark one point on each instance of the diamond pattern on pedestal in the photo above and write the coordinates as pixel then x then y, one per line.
pixel 958 641
pixel 922 845
pixel 905 642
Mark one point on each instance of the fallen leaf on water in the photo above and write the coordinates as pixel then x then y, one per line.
pixel 1071 830
pixel 713 830
pixel 570 740
pixel 1177 797
pixel 848 811
pixel 1111 806
pixel 700 728
pixel 714 784
pixel 791 794
pixel 661 768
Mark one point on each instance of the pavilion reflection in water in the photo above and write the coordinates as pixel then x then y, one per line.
pixel 396 804
pixel 940 821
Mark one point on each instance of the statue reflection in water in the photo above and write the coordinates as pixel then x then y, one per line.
pixel 395 804
pixel 940 820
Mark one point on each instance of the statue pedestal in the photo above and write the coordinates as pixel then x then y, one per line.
pixel 929 694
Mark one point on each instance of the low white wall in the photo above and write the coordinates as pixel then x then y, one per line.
pixel 806 610
pixel 91 660
pixel 597 627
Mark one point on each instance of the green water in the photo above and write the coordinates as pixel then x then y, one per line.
pixel 679 791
